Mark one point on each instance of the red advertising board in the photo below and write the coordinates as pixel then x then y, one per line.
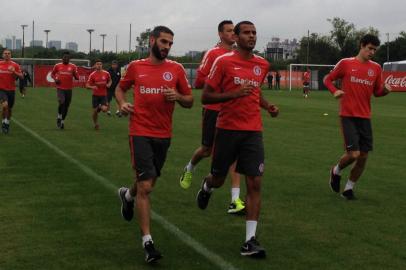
pixel 396 79
pixel 42 76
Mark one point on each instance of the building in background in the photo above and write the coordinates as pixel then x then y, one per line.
pixel 72 46
pixel 282 50
pixel 36 43
pixel 57 44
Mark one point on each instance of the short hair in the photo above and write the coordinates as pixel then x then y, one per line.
pixel 6 49
pixel 114 62
pixel 65 53
pixel 238 26
pixel 98 60
pixel 221 25
pixel 370 39
pixel 156 32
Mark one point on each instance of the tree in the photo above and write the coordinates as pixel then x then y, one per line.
pixel 397 50
pixel 321 50
pixel 143 38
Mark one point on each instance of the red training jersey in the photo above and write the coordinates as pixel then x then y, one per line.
pixel 7 77
pixel 65 73
pixel 359 82
pixel 152 115
pixel 306 77
pixel 204 70
pixel 229 71
pixel 99 78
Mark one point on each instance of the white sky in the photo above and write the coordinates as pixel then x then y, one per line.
pixel 193 21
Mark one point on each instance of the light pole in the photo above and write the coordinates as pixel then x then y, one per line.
pixel 22 48
pixel 103 36
pixel 387 47
pixel 46 39
pixel 90 39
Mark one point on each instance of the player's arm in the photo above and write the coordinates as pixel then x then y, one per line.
pixel 381 89
pixel 76 73
pixel 186 101
pixel 335 74
pixel 109 83
pixel 16 72
pixel 211 96
pixel 125 107
pixel 272 109
pixel 90 84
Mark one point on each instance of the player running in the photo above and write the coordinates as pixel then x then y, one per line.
pixel 9 70
pixel 306 83
pixel 210 113
pixel 235 81
pixel 98 81
pixel 158 84
pixel 360 79
pixel 63 75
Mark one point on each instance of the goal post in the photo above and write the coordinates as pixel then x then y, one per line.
pixel 315 76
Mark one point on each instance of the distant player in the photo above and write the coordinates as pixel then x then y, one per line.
pixel 98 81
pixel 63 75
pixel 235 81
pixel 9 70
pixel 158 84
pixel 115 74
pixel 22 83
pixel 210 112
pixel 360 79
pixel 306 83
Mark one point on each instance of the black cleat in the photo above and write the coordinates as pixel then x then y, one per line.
pixel 334 181
pixel 203 197
pixel 252 249
pixel 151 254
pixel 127 208
pixel 348 194
pixel 5 128
pixel 58 122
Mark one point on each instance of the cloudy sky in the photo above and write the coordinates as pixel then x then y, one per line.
pixel 193 21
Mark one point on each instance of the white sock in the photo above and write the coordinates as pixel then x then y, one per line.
pixel 250 229
pixel 128 196
pixel 206 188
pixel 350 185
pixel 235 194
pixel 59 116
pixel 337 170
pixel 189 167
pixel 146 238
pixel 6 121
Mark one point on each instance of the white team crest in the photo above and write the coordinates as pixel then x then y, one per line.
pixel 257 70
pixel 370 73
pixel 167 76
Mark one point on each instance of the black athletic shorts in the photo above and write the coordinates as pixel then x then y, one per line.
pixel 8 96
pixel 357 134
pixel 244 146
pixel 64 96
pixel 209 126
pixel 148 155
pixel 99 100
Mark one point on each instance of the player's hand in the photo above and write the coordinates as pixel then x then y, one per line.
pixel 126 108
pixel 338 94
pixel 170 94
pixel 245 90
pixel 387 88
pixel 273 110
pixel 57 81
pixel 11 69
pixel 94 88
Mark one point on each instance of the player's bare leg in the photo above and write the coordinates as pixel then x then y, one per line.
pixel 200 153
pixel 237 205
pixel 94 117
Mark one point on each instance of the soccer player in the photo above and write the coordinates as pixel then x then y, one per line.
pixel 98 81
pixel 63 74
pixel 235 81
pixel 360 79
pixel 23 82
pixel 115 74
pixel 306 83
pixel 210 113
pixel 158 84
pixel 9 70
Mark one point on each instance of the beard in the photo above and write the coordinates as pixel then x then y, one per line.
pixel 157 52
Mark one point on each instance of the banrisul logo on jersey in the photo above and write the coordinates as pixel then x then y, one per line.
pixel 167 76
pixel 257 70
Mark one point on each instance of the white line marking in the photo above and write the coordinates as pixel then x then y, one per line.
pixel 184 237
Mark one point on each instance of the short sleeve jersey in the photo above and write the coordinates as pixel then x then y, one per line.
pixel 227 74
pixel 65 73
pixel 99 79
pixel 359 82
pixel 152 115
pixel 7 78
pixel 204 70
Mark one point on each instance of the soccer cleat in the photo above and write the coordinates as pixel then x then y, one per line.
pixel 109 113
pixel 62 125
pixel 334 181
pixel 186 179
pixel 236 207
pixel 58 122
pixel 5 128
pixel 127 208
pixel 118 113
pixel 151 254
pixel 253 249
pixel 348 194
pixel 203 197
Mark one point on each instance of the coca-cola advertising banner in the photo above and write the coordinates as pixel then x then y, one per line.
pixel 396 79
pixel 42 76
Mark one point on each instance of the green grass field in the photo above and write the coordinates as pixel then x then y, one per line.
pixel 55 214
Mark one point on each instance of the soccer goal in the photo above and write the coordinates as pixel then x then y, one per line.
pixel 317 73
